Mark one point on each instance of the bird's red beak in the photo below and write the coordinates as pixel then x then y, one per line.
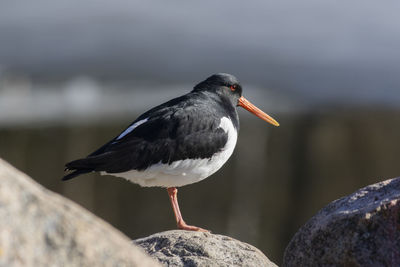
pixel 244 103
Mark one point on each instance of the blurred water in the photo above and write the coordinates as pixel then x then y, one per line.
pixel 83 100
pixel 329 51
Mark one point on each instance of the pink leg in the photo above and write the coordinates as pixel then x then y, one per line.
pixel 173 197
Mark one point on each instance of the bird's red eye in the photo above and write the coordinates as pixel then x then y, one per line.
pixel 233 87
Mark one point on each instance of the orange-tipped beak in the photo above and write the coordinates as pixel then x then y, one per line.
pixel 244 103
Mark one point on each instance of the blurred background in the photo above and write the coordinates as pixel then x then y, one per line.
pixel 74 73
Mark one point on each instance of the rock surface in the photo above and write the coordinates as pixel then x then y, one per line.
pixel 184 248
pixel 362 229
pixel 41 228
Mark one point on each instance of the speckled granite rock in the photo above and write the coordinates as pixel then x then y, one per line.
pixel 185 248
pixel 362 229
pixel 41 228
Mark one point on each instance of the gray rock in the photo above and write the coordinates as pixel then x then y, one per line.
pixel 362 229
pixel 185 248
pixel 41 228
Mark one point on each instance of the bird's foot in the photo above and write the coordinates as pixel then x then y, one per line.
pixel 183 226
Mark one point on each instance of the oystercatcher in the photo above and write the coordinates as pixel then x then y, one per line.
pixel 180 142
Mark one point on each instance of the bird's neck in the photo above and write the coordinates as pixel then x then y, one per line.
pixel 226 108
pixel 232 113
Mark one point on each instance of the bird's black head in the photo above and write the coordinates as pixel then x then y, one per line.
pixel 224 85
pixel 227 87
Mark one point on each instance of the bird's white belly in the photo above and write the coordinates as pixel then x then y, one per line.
pixel 188 171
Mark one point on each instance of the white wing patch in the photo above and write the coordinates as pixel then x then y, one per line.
pixel 130 128
pixel 183 172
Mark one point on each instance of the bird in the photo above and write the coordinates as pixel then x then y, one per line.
pixel 177 143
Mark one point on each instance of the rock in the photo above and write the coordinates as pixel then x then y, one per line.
pixel 41 228
pixel 185 248
pixel 362 229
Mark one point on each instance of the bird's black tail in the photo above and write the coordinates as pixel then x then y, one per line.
pixel 77 167
pixel 74 174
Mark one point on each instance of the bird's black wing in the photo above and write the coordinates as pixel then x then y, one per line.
pixel 173 131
